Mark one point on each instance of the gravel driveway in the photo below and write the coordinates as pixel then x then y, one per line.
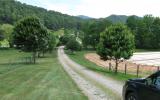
pixel 91 83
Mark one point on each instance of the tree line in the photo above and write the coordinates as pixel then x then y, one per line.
pixel 118 41
pixel 146 31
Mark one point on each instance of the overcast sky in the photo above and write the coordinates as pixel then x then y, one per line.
pixel 100 8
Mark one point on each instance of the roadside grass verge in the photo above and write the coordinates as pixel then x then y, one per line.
pixel 147 50
pixel 45 80
pixel 79 58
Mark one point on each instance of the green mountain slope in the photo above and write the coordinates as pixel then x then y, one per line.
pixel 11 11
pixel 117 18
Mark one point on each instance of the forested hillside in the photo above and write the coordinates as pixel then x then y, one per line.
pixel 84 17
pixel 117 18
pixel 11 11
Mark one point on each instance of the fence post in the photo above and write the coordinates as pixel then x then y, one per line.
pixel 158 68
pixel 137 70
pixel 110 66
pixel 125 68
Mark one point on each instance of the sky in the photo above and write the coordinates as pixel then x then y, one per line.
pixel 100 8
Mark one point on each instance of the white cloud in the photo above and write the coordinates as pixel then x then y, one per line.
pixel 103 8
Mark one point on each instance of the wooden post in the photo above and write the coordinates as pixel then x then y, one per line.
pixel 110 66
pixel 137 70
pixel 125 69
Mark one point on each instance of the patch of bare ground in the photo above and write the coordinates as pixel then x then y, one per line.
pixel 144 70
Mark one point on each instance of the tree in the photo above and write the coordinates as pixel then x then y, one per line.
pixel 64 39
pixel 116 42
pixel 136 24
pixel 51 42
pixel 146 31
pixel 73 45
pixel 29 35
pixel 155 39
pixel 7 31
pixel 43 44
pixel 132 22
pixel 92 30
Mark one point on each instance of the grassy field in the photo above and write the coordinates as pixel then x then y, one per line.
pixel 79 58
pixel 146 50
pixel 45 80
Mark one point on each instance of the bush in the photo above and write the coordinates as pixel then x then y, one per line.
pixel 73 45
pixel 64 39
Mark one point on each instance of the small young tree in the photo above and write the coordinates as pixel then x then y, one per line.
pixel 7 31
pixel 116 42
pixel 73 45
pixel 29 35
pixel 51 42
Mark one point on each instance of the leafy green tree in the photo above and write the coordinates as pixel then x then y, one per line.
pixel 43 45
pixel 155 39
pixel 146 31
pixel 136 24
pixel 64 39
pixel 116 42
pixel 30 35
pixel 92 30
pixel 7 31
pixel 73 45
pixel 132 22
pixel 51 42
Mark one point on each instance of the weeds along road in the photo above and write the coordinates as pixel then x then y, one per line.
pixel 94 85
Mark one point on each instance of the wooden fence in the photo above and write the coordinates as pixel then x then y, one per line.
pixel 134 69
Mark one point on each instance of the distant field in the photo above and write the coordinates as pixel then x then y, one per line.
pixel 146 50
pixel 44 81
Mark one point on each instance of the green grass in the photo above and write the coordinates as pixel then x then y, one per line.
pixel 146 50
pixel 79 58
pixel 45 80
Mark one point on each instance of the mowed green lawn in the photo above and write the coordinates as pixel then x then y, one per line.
pixel 45 80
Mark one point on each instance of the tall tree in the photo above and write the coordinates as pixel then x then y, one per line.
pixel 143 30
pixel 155 39
pixel 92 31
pixel 116 42
pixel 30 35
